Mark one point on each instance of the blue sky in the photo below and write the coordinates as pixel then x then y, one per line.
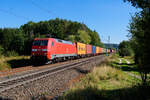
pixel 107 17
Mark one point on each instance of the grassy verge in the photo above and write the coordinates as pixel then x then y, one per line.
pixel 107 83
pixel 13 62
pixel 131 67
pixel 130 59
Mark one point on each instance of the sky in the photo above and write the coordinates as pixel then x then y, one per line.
pixel 107 17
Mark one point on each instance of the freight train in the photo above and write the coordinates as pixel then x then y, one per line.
pixel 54 50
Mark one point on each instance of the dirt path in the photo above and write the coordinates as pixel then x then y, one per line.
pixel 131 74
pixel 127 61
pixel 120 61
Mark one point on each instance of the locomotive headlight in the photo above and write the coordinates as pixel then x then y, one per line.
pixel 45 54
pixel 44 49
pixel 33 54
pixel 34 49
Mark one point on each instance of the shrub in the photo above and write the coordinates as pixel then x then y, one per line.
pixel 1 50
pixel 125 49
pixel 11 53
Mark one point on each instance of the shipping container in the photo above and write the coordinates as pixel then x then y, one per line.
pixel 88 49
pixel 108 50
pixel 105 50
pixel 97 50
pixel 93 50
pixel 100 50
pixel 81 48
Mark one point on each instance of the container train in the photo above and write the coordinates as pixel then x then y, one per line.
pixel 54 50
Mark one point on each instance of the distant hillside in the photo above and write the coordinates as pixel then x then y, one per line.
pixel 111 45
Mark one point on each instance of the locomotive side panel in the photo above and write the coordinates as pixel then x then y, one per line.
pixel 63 48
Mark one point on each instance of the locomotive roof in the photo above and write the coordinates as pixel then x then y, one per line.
pixel 57 40
pixel 63 41
pixel 41 38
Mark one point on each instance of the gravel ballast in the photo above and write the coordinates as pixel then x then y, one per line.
pixel 52 86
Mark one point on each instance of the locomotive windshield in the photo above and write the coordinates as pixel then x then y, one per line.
pixel 40 42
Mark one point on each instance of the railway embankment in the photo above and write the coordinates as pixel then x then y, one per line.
pixel 8 63
pixel 50 85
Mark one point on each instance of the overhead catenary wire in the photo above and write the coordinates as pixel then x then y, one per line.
pixel 14 14
pixel 41 8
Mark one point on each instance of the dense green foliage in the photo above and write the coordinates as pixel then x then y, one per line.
pixel 125 49
pixel 12 40
pixel 62 29
pixel 1 50
pixel 19 40
pixel 139 3
pixel 140 36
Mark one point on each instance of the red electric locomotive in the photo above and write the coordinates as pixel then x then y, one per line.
pixel 51 49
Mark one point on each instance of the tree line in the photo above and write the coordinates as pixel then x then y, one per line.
pixel 139 33
pixel 19 40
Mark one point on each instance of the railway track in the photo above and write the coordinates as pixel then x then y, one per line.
pixel 17 81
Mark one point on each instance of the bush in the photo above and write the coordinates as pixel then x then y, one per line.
pixel 11 53
pixel 1 50
pixel 125 49
pixel 125 52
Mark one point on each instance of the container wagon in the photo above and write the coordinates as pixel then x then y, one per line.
pixel 97 50
pixel 81 49
pixel 100 50
pixel 93 50
pixel 88 50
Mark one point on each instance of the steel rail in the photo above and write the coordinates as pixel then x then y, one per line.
pixel 14 82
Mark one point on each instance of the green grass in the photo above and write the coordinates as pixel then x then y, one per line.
pixel 132 68
pixel 130 59
pixel 3 64
pixel 107 83
pixel 123 60
pixel 110 84
pixel 13 62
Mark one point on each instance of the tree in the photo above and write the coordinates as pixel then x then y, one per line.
pixel 29 29
pixel 83 37
pixel 12 40
pixel 139 3
pixel 1 50
pixel 140 30
pixel 71 38
pixel 95 40
pixel 62 29
pixel 140 36
pixel 125 49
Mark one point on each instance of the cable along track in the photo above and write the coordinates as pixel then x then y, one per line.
pixel 17 81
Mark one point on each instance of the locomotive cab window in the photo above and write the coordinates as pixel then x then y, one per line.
pixel 40 42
